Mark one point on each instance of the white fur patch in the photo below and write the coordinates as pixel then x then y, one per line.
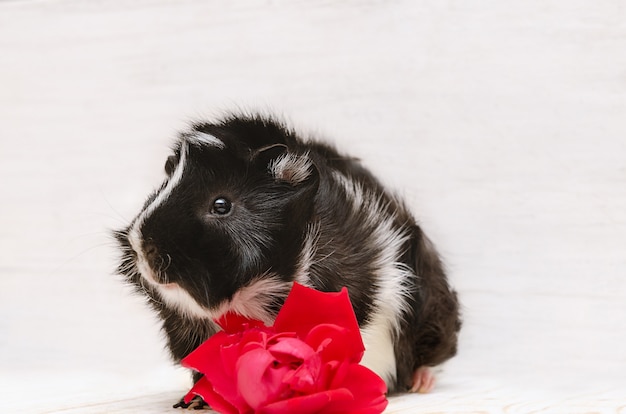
pixel 176 297
pixel 162 196
pixel 306 259
pixel 253 300
pixel 353 190
pixel 292 168
pixel 390 303
pixel 201 139
pixel 379 352
pixel 256 299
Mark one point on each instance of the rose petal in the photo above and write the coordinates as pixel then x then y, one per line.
pixel 249 367
pixel 204 389
pixel 306 378
pixel 233 322
pixel 369 392
pixel 214 360
pixel 198 360
pixel 252 339
pixel 335 343
pixel 297 316
pixel 258 381
pixel 339 373
pixel 308 404
pixel 290 350
pixel 228 359
pixel 328 371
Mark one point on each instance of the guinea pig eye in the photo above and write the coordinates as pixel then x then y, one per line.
pixel 221 206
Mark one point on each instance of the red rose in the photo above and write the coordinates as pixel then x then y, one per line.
pixel 308 362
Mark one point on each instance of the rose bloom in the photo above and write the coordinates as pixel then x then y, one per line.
pixel 308 362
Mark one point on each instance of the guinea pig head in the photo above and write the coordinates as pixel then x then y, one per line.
pixel 224 230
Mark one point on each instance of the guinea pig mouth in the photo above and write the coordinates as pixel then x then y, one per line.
pixel 155 272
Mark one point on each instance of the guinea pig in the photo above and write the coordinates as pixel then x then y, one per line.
pixel 249 207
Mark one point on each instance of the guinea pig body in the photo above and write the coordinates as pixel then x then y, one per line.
pixel 248 208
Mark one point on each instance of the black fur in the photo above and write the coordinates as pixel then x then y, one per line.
pixel 212 257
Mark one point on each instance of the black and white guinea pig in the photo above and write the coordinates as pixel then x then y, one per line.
pixel 248 207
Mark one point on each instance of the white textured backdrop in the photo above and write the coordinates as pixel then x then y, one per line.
pixel 502 122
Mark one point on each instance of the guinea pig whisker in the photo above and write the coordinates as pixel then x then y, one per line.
pixel 201 287
pixel 126 267
pixel 81 253
pixel 145 290
pixel 113 209
pixel 169 262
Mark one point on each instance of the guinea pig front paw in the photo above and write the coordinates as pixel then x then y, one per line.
pixel 196 404
pixel 423 380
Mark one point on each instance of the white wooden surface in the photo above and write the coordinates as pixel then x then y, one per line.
pixel 503 123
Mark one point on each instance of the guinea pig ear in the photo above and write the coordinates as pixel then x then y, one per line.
pixel 294 169
pixel 264 155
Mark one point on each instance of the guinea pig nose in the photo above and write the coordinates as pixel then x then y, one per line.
pixel 150 250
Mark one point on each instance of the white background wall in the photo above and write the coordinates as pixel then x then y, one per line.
pixel 502 122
